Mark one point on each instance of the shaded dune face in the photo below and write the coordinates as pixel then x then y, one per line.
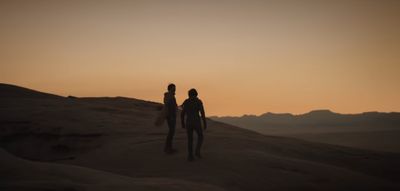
pixel 57 129
pixel 112 144
pixel 25 175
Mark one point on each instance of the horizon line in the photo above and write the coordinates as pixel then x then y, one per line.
pixel 211 116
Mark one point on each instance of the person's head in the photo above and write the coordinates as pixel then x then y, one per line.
pixel 171 87
pixel 192 93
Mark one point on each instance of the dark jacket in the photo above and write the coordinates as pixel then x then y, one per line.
pixel 171 105
pixel 192 108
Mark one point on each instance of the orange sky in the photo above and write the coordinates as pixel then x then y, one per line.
pixel 244 57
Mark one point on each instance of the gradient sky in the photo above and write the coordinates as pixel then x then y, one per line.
pixel 244 57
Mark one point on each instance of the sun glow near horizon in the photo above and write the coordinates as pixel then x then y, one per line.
pixel 243 57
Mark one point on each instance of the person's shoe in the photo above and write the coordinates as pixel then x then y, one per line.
pixel 198 155
pixel 190 158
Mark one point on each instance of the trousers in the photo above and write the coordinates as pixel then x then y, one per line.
pixel 199 132
pixel 171 132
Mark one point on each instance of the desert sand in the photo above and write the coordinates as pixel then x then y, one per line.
pixel 51 142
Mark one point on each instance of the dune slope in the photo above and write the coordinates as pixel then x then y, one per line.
pixel 113 142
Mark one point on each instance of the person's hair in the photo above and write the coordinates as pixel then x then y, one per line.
pixel 192 93
pixel 170 86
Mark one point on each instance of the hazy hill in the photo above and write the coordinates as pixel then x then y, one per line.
pixel 369 130
pixel 12 91
pixel 316 118
pixel 112 144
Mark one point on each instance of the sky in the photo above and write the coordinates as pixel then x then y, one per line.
pixel 243 57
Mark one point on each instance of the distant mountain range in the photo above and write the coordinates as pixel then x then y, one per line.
pixel 314 118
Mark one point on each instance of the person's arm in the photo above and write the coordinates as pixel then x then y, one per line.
pixel 203 115
pixel 165 98
pixel 170 104
pixel 183 112
pixel 166 103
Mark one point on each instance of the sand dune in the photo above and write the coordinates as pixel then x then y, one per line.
pixel 20 174
pixel 112 144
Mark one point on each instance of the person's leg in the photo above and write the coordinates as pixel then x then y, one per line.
pixel 200 138
pixel 170 136
pixel 189 131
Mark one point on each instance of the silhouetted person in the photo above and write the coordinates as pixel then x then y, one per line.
pixel 192 108
pixel 171 109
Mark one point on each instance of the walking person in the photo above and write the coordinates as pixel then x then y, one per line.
pixel 171 110
pixel 193 109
